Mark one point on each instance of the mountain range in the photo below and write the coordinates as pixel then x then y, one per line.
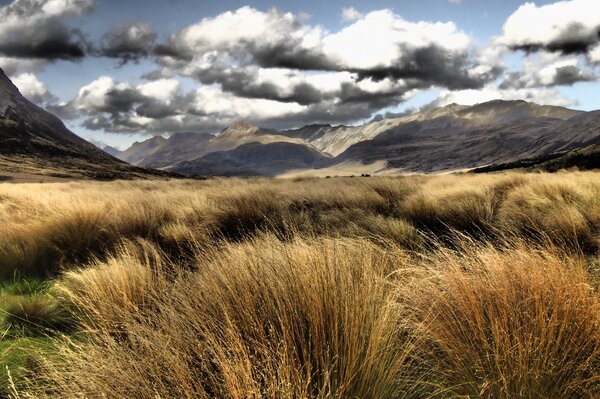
pixel 450 138
pixel 495 135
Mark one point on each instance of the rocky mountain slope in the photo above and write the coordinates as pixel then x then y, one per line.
pixel 458 137
pixel 35 144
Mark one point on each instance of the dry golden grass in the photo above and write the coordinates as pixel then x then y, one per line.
pixel 260 319
pixel 517 323
pixel 478 286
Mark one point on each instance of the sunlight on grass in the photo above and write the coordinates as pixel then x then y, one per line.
pixel 479 286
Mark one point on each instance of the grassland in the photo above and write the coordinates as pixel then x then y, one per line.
pixel 458 286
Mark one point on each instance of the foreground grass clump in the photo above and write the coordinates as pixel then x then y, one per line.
pixel 27 309
pixel 330 318
pixel 521 323
pixel 478 286
pixel 261 319
pixel 28 316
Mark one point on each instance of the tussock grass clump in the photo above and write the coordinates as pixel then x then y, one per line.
pixel 35 316
pixel 260 319
pixel 562 211
pixel 27 309
pixel 521 323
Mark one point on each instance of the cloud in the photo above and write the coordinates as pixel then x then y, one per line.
pixel 350 14
pixel 594 55
pixel 278 70
pixel 544 95
pixel 568 27
pixel 128 42
pixel 14 66
pixel 122 107
pixel 161 106
pixel 378 45
pixel 36 29
pixel 33 89
pixel 547 70
pixel 456 1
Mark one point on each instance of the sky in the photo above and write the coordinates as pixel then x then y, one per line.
pixel 122 71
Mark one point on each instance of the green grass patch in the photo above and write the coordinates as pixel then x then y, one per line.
pixel 27 309
pixel 17 358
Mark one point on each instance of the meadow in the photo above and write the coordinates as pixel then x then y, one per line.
pixel 454 286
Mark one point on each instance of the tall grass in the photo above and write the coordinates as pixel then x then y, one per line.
pixel 260 319
pixel 517 323
pixel 482 286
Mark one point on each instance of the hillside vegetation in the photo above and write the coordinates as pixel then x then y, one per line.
pixel 458 286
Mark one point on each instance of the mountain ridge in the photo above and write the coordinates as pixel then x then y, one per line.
pixel 34 144
pixel 453 137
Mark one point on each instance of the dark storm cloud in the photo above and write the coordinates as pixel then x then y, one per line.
pixel 122 100
pixel 290 56
pixel 562 75
pixel 245 82
pixel 30 30
pixel 570 74
pixel 51 42
pixel 574 39
pixel 128 42
pixel 433 65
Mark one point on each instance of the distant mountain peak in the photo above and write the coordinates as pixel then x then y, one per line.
pixel 111 150
pixel 240 127
pixel 242 124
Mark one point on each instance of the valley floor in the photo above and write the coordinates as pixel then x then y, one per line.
pixel 455 286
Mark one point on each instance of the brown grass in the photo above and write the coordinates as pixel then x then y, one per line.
pixel 480 286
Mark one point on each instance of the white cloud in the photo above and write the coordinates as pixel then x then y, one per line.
pixel 234 30
pixel 224 106
pixel 32 88
pixel 350 14
pixel 382 39
pixel 549 69
pixel 14 66
pixel 546 96
pixel 378 40
pixel 595 54
pixel 567 26
pixel 456 1
pixel 93 97
pixel 163 89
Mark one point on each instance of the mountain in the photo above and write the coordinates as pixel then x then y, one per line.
pixel 584 158
pixel 35 144
pixel 140 150
pixel 111 150
pixel 459 137
pixel 178 147
pixel 162 153
pixel 454 137
pixel 251 159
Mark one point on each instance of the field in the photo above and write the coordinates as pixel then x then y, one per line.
pixel 455 286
